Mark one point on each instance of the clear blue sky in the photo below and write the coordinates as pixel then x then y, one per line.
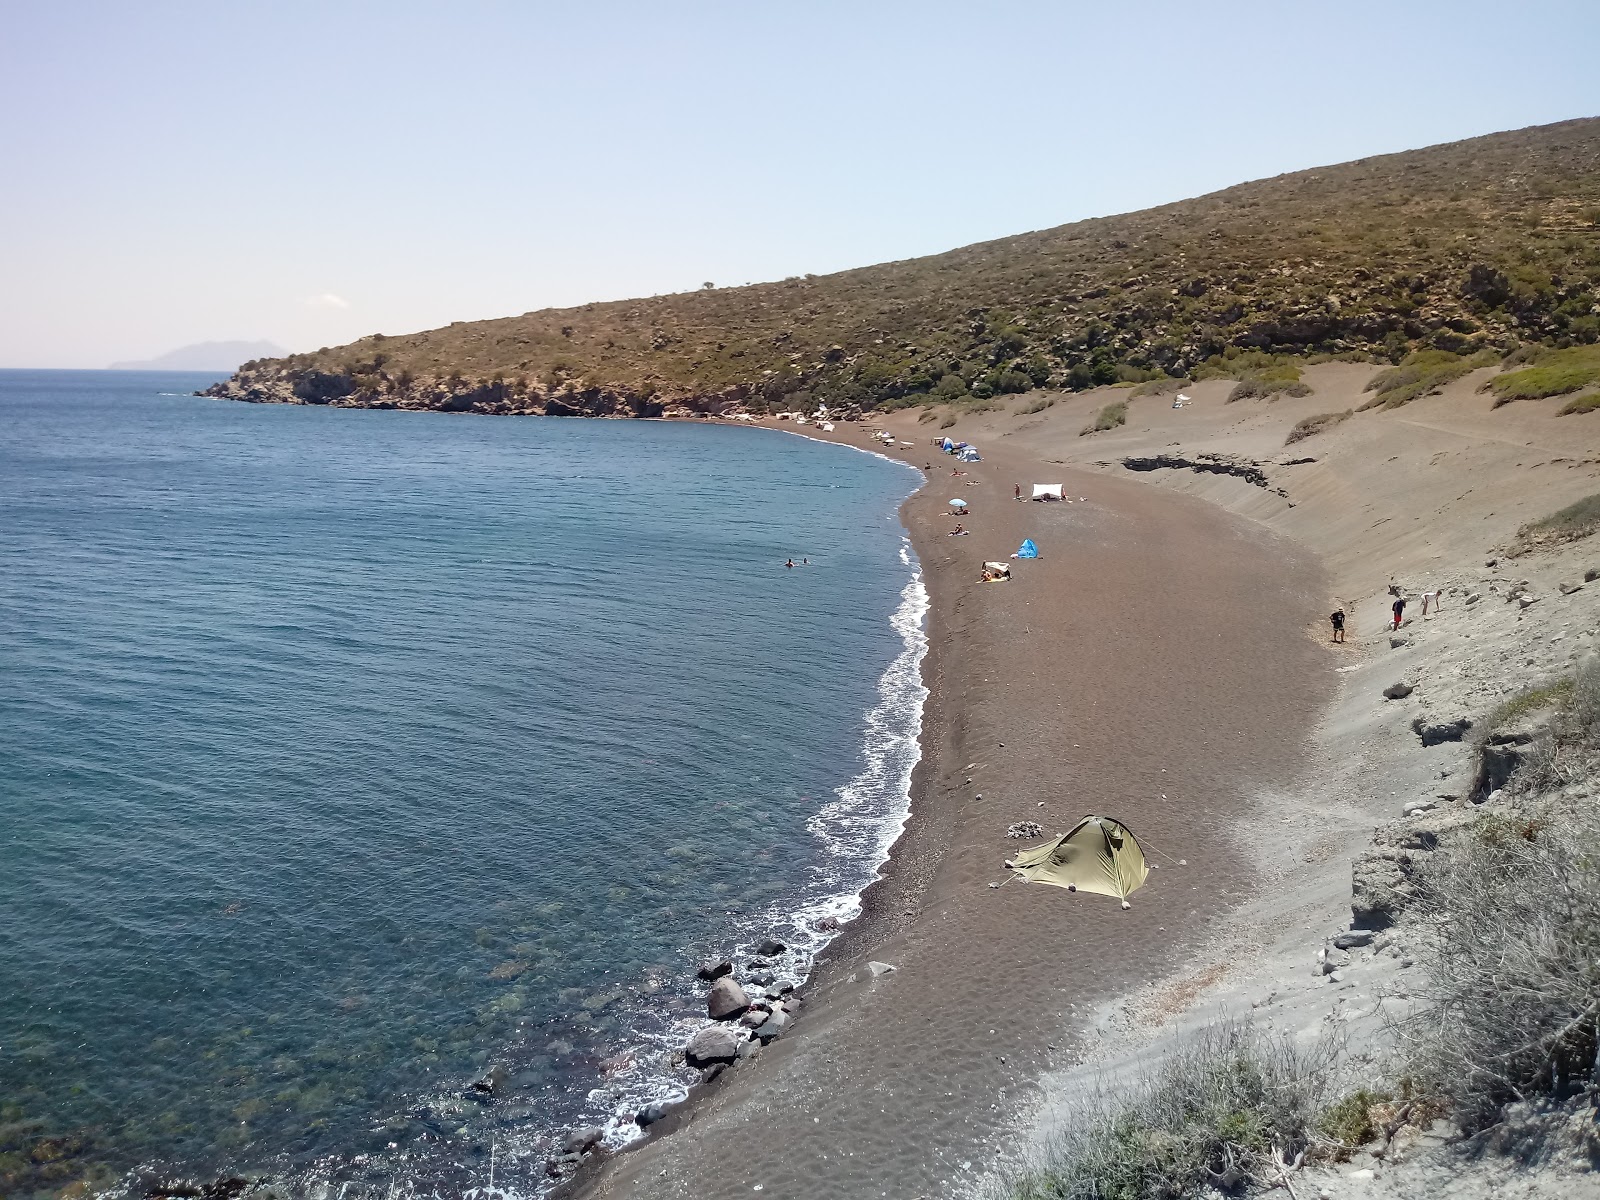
pixel 311 172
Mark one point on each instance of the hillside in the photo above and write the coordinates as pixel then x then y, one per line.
pixel 1477 245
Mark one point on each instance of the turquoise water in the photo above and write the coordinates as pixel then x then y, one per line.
pixel 349 754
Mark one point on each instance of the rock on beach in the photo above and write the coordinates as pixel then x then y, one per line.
pixel 726 999
pixel 713 1044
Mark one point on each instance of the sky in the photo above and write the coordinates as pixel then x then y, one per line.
pixel 309 173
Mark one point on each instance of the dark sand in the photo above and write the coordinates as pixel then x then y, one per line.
pixel 1154 665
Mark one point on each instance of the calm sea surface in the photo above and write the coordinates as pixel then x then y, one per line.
pixel 345 756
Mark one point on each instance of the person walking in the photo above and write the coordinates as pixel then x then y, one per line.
pixel 1399 609
pixel 1338 624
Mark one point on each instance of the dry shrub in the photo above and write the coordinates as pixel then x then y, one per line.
pixel 1230 1105
pixel 1315 425
pixel 1511 955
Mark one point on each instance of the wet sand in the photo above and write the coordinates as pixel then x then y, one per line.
pixel 1153 665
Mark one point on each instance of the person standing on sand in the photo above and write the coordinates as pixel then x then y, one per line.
pixel 1016 491
pixel 1399 609
pixel 1338 624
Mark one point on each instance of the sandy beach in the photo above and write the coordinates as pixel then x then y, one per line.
pixel 1154 664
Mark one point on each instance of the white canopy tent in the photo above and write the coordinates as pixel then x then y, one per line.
pixel 1048 491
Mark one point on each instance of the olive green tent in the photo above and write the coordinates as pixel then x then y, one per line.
pixel 1099 855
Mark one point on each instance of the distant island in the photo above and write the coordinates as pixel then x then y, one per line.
pixel 205 356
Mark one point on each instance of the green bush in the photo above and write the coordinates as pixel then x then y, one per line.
pixel 1267 388
pixel 1554 373
pixel 1109 417
pixel 1581 404
pixel 1422 373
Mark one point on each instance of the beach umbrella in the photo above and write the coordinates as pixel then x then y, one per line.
pixel 1097 855
pixel 958 504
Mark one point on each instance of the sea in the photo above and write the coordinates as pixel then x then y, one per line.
pixel 351 758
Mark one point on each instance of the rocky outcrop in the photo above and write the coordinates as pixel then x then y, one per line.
pixel 1209 464
pixel 369 386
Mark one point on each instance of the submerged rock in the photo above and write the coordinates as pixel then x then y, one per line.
pixel 714 970
pixel 770 948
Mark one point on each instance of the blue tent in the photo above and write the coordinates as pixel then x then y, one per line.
pixel 947 445
pixel 1027 549
pixel 970 454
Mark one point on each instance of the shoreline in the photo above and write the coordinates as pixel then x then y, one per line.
pixel 913 892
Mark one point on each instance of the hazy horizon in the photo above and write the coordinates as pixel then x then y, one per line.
pixel 305 174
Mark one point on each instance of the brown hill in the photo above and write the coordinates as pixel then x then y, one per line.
pixel 1479 245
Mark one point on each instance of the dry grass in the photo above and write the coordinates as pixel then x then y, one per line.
pixel 1312 426
pixel 1578 520
pixel 1228 1106
pixel 1512 961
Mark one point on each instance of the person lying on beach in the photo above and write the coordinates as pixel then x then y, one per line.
pixel 953 471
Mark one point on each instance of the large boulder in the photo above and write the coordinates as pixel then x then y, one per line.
pixel 713 1044
pixel 1398 691
pixel 726 999
pixel 714 970
pixel 770 948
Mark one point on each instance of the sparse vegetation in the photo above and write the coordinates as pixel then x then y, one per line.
pixel 1109 417
pixel 1575 521
pixel 1038 406
pixel 1320 263
pixel 1259 374
pixel 1421 374
pixel 1512 955
pixel 1229 1106
pixel 1553 373
pixel 1312 426
pixel 1159 387
pixel 1581 404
